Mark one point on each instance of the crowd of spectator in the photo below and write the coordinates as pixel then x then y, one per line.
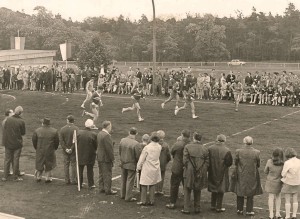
pixel 276 88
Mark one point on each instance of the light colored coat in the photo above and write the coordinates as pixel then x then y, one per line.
pixel 149 164
pixel 291 172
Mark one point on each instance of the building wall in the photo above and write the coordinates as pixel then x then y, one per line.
pixel 39 61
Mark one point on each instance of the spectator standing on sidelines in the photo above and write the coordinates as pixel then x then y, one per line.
pixel 45 140
pixel 220 159
pixel 105 155
pixel 149 166
pixel 177 167
pixel 196 162
pixel 13 130
pixel 164 159
pixel 129 155
pixel 87 147
pixel 69 154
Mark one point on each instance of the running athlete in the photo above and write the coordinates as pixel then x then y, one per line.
pixel 237 88
pixel 89 92
pixel 190 97
pixel 137 94
pixel 96 103
pixel 174 94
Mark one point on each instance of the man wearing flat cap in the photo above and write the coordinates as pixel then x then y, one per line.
pixel 218 172
pixel 45 141
pixel 66 141
pixel 87 146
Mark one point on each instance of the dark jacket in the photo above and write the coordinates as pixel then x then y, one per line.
pixel 105 150
pixel 129 153
pixel 165 155
pixel 45 140
pixel 87 146
pixel 177 154
pixel 220 159
pixel 196 162
pixel 13 130
pixel 66 137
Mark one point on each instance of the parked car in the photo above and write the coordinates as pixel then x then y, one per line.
pixel 236 62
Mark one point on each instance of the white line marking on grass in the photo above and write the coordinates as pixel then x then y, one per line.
pixel 11 96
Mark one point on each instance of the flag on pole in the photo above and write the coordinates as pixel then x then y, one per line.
pixel 76 152
pixel 66 51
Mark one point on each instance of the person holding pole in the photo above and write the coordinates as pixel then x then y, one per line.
pixel 66 142
pixel 86 148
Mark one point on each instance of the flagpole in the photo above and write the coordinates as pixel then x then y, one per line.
pixel 66 54
pixel 76 152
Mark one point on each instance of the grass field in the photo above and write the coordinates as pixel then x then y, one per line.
pixel 269 126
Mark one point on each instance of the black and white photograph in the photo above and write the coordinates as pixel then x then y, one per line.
pixel 149 109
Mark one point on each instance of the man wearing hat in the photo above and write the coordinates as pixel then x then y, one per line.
pixel 218 172
pixel 66 141
pixel 45 141
pixel 87 146
pixel 12 139
pixel 129 156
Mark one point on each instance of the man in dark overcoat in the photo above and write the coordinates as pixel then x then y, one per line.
pixel 87 146
pixel 220 159
pixel 45 141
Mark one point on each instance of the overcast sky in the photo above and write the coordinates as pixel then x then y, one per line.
pixel 80 9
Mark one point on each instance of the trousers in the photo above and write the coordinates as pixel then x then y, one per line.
pixel 105 176
pixel 128 177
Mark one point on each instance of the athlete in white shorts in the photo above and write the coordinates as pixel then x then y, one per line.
pixel 237 88
pixel 137 94
pixel 89 92
pixel 189 100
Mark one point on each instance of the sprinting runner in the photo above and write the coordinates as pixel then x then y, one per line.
pixel 174 94
pixel 237 88
pixel 96 103
pixel 89 91
pixel 137 94
pixel 189 100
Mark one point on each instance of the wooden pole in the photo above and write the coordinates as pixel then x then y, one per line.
pixel 76 153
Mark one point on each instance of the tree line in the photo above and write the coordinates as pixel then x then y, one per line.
pixel 256 37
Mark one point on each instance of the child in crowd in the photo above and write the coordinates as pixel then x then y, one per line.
pixel 273 185
pixel 291 181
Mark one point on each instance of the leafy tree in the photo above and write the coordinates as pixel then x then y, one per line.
pixel 94 53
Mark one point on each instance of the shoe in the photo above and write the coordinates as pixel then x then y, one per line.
pixel 240 212
pixel 112 192
pixel 278 217
pixel 175 112
pixel 21 174
pixel 38 180
pixel 102 191
pixel 163 105
pixel 72 183
pixel 18 179
pixel 194 117
pixel 3 179
pixel 171 206
pixel 83 113
pixel 141 203
pixel 92 187
pixel 48 181
pixel 82 106
pixel 250 213
pixel 236 110
pixel 131 200
pixel 141 119
pixel 220 210
pixel 185 212
pixel 159 193
pixel 150 203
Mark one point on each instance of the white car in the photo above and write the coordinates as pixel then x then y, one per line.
pixel 236 62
